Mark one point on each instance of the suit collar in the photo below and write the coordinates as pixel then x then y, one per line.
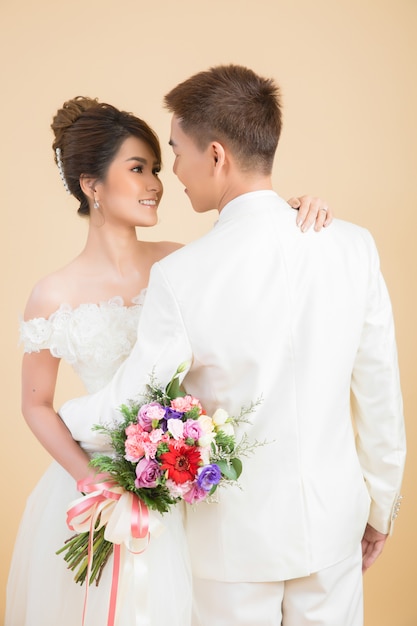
pixel 248 203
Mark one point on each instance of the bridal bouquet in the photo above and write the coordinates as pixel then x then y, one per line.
pixel 166 449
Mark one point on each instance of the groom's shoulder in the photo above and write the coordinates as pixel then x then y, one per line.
pixel 351 230
pixel 348 238
pixel 187 251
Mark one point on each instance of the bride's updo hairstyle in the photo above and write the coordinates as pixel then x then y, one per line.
pixel 88 135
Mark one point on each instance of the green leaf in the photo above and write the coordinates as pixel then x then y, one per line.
pixel 173 389
pixel 227 469
pixel 225 442
pixel 237 464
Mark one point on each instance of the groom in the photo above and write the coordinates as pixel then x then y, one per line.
pixel 303 320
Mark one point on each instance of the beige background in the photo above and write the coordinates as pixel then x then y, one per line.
pixel 348 74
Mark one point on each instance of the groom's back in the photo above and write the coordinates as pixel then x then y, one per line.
pixel 256 294
pixel 274 313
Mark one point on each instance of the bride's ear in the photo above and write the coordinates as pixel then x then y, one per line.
pixel 88 185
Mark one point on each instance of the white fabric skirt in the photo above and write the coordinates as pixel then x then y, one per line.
pixel 41 590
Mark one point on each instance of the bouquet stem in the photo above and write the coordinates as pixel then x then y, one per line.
pixel 76 555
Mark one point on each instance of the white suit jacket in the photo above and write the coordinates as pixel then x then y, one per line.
pixel 304 321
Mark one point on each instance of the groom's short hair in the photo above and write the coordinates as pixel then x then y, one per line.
pixel 234 106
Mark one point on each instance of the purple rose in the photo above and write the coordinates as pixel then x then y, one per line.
pixel 147 473
pixel 192 429
pixel 149 413
pixel 210 475
pixel 170 414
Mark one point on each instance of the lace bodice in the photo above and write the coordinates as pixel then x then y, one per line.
pixel 93 338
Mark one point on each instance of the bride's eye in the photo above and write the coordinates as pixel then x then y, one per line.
pixel 137 169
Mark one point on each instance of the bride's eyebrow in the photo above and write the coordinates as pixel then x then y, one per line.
pixel 139 159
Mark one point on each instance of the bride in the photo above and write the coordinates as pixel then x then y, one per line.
pixel 87 314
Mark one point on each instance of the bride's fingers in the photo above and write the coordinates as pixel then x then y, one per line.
pixel 321 218
pixel 329 217
pixel 324 217
pixel 307 211
pixel 294 203
pixel 311 211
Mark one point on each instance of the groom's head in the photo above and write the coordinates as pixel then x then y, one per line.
pixel 233 105
pixel 225 115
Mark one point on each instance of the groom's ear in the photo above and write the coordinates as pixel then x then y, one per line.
pixel 217 153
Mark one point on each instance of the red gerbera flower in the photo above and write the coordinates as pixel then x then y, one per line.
pixel 181 461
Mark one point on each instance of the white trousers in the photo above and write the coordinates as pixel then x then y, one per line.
pixel 331 597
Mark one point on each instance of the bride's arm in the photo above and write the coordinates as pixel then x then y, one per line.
pixel 39 374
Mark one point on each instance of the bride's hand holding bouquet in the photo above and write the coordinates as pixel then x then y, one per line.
pixel 165 450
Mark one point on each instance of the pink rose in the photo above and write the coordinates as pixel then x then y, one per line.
pixel 134 448
pixel 177 490
pixel 195 494
pixel 147 473
pixel 150 449
pixel 133 429
pixel 156 435
pixel 185 404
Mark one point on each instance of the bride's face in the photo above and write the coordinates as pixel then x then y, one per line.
pixel 132 190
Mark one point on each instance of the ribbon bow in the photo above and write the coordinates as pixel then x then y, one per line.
pixel 126 519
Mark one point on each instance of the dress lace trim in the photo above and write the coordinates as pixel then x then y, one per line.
pixel 93 338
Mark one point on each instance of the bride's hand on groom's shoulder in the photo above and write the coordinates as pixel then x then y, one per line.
pixel 311 211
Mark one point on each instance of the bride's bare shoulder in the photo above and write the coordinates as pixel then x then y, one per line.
pixel 50 292
pixel 161 249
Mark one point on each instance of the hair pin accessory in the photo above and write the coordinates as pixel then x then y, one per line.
pixel 61 169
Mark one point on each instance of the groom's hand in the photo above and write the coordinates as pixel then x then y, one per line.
pixel 372 545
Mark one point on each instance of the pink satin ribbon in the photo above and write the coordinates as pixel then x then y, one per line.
pixel 102 493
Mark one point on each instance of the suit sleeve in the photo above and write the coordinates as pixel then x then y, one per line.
pixel 162 345
pixel 377 407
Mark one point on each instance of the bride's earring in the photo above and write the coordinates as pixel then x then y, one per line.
pixel 96 204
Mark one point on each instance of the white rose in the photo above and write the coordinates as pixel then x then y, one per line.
pixel 227 429
pixel 207 427
pixel 206 424
pixel 205 455
pixel 220 416
pixel 176 428
pixel 205 441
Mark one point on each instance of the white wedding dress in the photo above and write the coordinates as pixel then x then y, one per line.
pixel 155 586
